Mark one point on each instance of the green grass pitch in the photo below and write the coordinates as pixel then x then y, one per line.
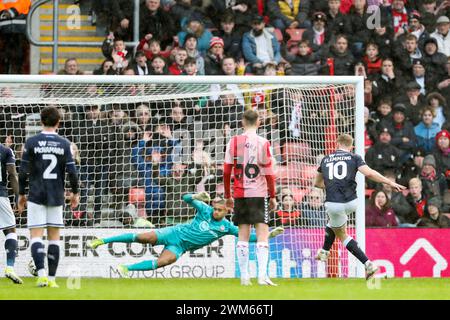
pixel 223 289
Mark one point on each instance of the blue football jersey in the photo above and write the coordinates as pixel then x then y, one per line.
pixel 339 171
pixel 6 158
pixel 46 158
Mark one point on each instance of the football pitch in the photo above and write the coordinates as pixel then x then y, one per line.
pixel 230 289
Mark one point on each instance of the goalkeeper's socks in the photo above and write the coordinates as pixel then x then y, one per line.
pixel 353 247
pixel 38 254
pixel 11 249
pixel 144 265
pixel 262 255
pixel 52 258
pixel 242 254
pixel 126 237
pixel 329 239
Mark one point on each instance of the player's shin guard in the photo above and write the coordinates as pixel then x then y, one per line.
pixel 242 255
pixel 11 249
pixel 262 255
pixel 353 247
pixel 52 258
pixel 38 254
pixel 329 238
pixel 126 237
pixel 144 265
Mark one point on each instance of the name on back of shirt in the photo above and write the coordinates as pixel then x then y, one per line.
pixel 49 147
pixel 337 158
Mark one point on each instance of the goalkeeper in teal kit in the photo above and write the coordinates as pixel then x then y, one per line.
pixel 208 225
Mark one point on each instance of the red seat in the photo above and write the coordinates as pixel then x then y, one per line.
pixel 369 192
pixel 295 36
pixel 296 151
pixel 296 174
pixel 278 34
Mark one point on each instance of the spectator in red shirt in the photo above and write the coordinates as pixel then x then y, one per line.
pixel 288 214
pixel 372 59
pixel 379 212
pixel 399 17
pixel 177 67
pixel 152 47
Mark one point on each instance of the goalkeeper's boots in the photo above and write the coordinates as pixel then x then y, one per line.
pixel 266 282
pixel 246 282
pixel 93 244
pixel 52 284
pixel 123 271
pixel 371 270
pixel 11 275
pixel 42 282
pixel 322 255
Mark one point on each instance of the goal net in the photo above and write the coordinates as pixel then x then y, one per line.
pixel 140 143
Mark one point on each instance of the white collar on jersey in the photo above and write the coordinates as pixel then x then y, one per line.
pixel 48 132
pixel 252 130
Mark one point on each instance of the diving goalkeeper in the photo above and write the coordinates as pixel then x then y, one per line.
pixel 208 225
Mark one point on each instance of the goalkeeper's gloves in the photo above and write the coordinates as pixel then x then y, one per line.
pixel 275 232
pixel 202 196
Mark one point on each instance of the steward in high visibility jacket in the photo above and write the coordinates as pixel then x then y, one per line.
pixel 10 9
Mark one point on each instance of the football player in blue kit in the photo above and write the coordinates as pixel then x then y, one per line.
pixel 336 174
pixel 46 159
pixel 7 218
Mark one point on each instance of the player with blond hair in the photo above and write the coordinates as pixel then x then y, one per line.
pixel 336 174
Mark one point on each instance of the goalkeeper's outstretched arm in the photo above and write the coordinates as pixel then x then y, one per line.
pixel 197 200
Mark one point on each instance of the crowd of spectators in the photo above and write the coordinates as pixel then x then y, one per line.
pixel 400 47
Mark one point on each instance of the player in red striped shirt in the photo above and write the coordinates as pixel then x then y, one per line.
pixel 250 157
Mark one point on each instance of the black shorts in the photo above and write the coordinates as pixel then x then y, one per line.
pixel 251 211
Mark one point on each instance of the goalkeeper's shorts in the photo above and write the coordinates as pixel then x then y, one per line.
pixel 168 237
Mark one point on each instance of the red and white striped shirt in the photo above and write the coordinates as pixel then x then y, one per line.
pixel 250 157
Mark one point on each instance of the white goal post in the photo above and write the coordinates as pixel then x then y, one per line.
pixel 126 128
